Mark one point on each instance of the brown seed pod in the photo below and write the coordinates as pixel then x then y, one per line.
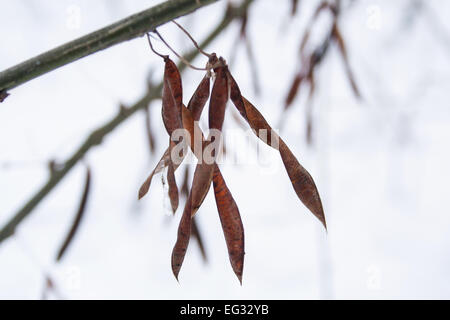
pixel 230 219
pixel 200 185
pixel 219 98
pixel 172 97
pixel 196 105
pixel 184 234
pixel 173 189
pixel 301 180
pixel 199 98
pixel 236 96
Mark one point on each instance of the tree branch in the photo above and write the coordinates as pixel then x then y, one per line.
pixel 123 30
pixel 96 137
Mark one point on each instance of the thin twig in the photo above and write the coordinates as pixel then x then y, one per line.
pixel 165 57
pixel 178 55
pixel 192 39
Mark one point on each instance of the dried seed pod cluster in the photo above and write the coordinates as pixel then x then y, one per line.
pixel 176 116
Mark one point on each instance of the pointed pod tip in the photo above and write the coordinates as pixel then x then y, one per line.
pixel 324 223
pixel 174 208
pixel 142 191
pixel 175 273
pixel 175 268
pixel 194 211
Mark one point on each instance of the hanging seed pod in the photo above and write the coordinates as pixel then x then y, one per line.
pixel 227 208
pixel 173 189
pixel 236 96
pixel 184 234
pixel 199 98
pixel 196 104
pixel 301 180
pixel 172 97
pixel 230 219
pixel 219 98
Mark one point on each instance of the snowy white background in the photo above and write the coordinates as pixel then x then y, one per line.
pixel 381 165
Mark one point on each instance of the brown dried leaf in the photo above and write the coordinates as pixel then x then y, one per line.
pixel 78 217
pixel 230 218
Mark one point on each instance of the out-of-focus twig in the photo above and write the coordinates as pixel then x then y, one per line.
pixel 78 216
pixel 148 131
